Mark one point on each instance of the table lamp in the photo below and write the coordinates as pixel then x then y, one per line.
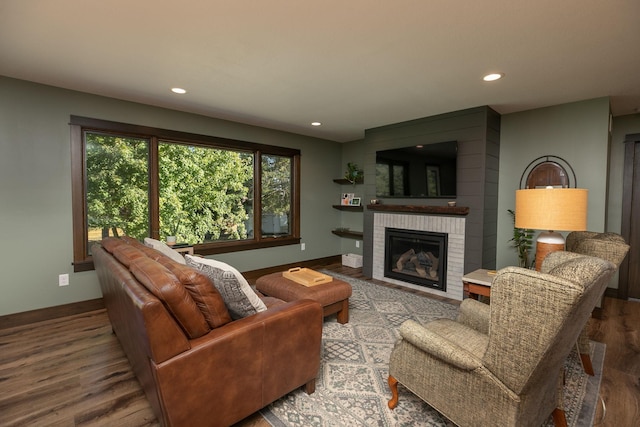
pixel 552 210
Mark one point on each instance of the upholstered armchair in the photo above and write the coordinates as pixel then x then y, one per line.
pixel 500 364
pixel 609 246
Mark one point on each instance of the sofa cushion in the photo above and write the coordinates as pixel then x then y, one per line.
pixel 164 248
pixel 110 243
pixel 168 289
pixel 202 290
pixel 147 250
pixel 239 297
pixel 126 254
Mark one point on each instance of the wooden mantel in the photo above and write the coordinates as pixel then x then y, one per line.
pixel 425 210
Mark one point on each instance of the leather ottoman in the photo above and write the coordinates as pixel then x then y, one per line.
pixel 333 295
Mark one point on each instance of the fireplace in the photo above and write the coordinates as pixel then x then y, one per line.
pixel 418 257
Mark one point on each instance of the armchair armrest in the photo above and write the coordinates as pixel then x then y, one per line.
pixel 475 315
pixel 438 346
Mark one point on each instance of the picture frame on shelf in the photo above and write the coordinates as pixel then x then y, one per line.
pixel 346 199
pixel 355 201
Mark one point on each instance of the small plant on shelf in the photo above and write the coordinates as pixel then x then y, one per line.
pixel 354 174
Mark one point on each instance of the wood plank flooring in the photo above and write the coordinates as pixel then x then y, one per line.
pixel 620 389
pixel 71 371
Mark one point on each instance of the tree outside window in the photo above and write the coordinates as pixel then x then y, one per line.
pixel 206 191
pixel 117 186
pixel 276 195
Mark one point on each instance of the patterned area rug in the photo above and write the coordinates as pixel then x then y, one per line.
pixel 351 388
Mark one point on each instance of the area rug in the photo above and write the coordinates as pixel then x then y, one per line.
pixel 351 388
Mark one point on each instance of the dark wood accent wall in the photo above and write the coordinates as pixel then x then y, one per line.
pixel 477 131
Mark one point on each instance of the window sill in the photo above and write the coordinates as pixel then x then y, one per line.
pixel 235 246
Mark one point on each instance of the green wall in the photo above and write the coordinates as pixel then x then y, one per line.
pixel 35 189
pixel 35 180
pixel 353 152
pixel 577 132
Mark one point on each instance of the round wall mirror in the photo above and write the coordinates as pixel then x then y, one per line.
pixel 548 171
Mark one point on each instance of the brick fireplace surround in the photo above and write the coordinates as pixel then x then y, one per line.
pixel 454 226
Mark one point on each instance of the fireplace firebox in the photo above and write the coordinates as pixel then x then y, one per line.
pixel 418 257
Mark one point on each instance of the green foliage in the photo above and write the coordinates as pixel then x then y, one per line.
pixel 204 193
pixel 117 185
pixel 353 174
pixel 276 184
pixel 522 241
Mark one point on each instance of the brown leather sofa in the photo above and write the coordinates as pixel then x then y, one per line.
pixel 195 372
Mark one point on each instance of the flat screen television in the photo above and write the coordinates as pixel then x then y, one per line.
pixel 420 171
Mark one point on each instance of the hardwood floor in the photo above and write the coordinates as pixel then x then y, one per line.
pixel 71 371
pixel 620 389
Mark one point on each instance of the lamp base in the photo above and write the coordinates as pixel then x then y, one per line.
pixel 547 242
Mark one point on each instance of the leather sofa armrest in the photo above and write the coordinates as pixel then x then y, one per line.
pixel 244 365
pixel 438 346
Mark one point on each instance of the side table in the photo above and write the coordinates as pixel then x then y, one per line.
pixel 477 283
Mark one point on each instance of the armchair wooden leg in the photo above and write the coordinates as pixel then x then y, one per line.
pixel 310 387
pixel 586 364
pixel 559 419
pixel 393 385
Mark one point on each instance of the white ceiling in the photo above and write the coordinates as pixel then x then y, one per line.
pixel 350 64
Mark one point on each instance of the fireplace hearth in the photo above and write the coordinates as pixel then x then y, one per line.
pixel 418 257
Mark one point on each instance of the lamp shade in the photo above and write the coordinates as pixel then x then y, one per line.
pixel 557 209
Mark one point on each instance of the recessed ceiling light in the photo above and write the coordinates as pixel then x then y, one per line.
pixel 178 90
pixel 316 124
pixel 493 77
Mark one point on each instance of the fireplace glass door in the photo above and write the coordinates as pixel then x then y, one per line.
pixel 418 257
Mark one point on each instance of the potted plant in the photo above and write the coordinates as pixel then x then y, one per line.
pixel 522 241
pixel 173 232
pixel 354 174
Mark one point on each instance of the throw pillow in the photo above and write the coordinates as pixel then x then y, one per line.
pixel 164 248
pixel 240 299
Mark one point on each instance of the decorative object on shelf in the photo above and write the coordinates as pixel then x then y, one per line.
pixel 522 241
pixel 548 171
pixel 451 204
pixel 551 209
pixel 346 198
pixel 355 201
pixel 354 174
pixel 375 201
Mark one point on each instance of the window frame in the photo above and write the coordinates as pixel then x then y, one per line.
pixel 79 125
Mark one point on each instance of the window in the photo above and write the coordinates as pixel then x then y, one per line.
pixel 276 196
pixel 205 193
pixel 117 177
pixel 209 192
